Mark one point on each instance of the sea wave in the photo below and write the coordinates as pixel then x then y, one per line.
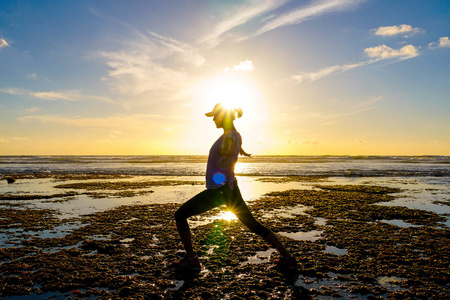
pixel 194 165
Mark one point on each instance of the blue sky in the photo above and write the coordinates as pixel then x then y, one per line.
pixel 357 77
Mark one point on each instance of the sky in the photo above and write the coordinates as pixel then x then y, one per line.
pixel 314 77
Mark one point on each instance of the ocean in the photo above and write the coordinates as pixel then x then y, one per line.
pixel 195 165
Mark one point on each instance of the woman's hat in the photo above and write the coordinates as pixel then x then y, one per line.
pixel 217 109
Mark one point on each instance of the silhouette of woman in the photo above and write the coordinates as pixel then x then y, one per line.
pixel 222 188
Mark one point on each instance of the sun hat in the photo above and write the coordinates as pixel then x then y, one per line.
pixel 217 109
pixel 225 112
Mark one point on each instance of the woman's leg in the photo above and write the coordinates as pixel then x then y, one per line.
pixel 236 203
pixel 200 203
pixel 273 240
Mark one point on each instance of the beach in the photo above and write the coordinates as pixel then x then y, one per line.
pixel 103 227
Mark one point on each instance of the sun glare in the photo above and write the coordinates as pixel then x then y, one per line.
pixel 227 216
pixel 234 90
pixel 231 89
pixel 231 93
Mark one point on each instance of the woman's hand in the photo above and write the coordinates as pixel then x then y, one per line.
pixel 242 152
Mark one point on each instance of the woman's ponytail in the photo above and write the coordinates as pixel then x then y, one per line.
pixel 238 112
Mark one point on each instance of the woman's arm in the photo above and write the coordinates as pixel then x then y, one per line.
pixel 242 152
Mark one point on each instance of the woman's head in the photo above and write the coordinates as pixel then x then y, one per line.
pixel 223 116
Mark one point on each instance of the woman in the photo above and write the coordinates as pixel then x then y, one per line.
pixel 222 188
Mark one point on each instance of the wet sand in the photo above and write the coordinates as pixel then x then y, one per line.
pixel 350 242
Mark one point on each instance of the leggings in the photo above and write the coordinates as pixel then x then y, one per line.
pixel 211 198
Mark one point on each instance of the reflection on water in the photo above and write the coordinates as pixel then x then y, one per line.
pixel 312 235
pixel 399 223
pixel 259 258
pixel 335 250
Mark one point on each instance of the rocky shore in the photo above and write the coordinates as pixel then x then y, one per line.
pixel 124 252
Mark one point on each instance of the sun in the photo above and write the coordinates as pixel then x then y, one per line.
pixel 232 89
pixel 232 93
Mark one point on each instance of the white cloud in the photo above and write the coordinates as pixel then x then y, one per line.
pixel 385 52
pixel 407 30
pixel 246 65
pixel 31 76
pixel 304 13
pixel 3 44
pixel 68 95
pixel 443 42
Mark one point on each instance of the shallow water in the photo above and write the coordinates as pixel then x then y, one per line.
pixel 417 193
pixel 426 193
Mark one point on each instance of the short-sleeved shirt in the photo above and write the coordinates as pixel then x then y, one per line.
pixel 222 159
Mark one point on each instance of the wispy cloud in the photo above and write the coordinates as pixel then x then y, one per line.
pixel 443 42
pixel 70 95
pixel 148 61
pixel 237 17
pixel 406 30
pixel 306 142
pixel 31 76
pixel 326 117
pixel 185 52
pixel 254 9
pixel 122 121
pixel 3 44
pixel 33 109
pixel 117 124
pixel 376 54
pixel 313 76
pixel 134 73
pixel 315 9
pixel 370 102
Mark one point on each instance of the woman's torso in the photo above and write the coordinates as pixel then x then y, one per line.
pixel 220 166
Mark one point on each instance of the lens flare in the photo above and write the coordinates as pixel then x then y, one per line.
pixel 227 216
pixel 219 178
